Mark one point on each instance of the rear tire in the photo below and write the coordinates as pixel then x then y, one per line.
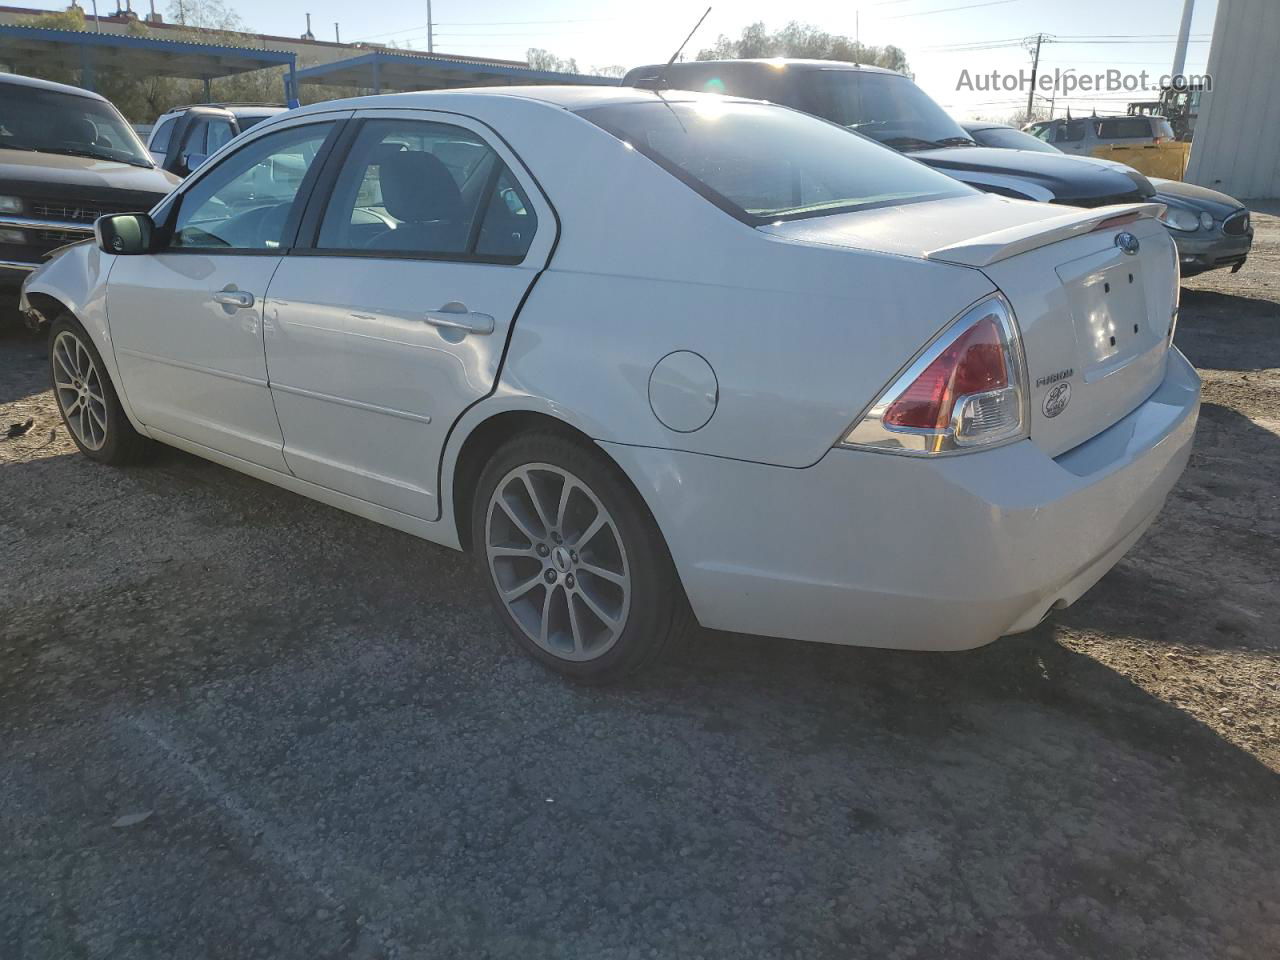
pixel 87 399
pixel 574 563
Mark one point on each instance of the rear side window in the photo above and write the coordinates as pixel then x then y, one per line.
pixel 1124 128
pixel 761 163
pixel 1070 132
pixel 434 190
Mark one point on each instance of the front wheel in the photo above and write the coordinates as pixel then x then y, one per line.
pixel 573 560
pixel 87 399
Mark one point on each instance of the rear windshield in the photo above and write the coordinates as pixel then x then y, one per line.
pixel 763 163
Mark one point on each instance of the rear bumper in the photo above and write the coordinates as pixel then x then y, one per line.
pixel 879 550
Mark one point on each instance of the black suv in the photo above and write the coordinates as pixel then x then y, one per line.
pixel 888 107
pixel 67 156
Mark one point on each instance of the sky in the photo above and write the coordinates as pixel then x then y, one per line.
pixel 941 38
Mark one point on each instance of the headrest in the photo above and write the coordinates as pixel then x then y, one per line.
pixel 77 130
pixel 417 187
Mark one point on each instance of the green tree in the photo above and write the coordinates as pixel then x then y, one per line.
pixel 802 40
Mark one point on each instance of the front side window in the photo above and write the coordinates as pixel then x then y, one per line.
pixel 426 189
pixel 244 202
pixel 53 122
pixel 762 163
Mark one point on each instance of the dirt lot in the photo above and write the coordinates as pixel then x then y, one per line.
pixel 338 754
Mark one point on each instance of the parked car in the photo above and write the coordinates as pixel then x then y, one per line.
pixel 649 354
pixel 1211 229
pixel 889 107
pixel 204 128
pixel 1084 135
pixel 66 157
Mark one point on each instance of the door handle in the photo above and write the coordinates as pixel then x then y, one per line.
pixel 455 316
pixel 231 297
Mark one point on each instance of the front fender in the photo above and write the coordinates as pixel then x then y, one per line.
pixel 75 280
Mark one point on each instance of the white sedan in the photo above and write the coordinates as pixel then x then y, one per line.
pixel 648 356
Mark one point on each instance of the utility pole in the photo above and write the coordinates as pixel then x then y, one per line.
pixel 430 40
pixel 1035 69
pixel 1184 32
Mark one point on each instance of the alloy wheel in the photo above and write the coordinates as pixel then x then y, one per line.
pixel 78 386
pixel 558 561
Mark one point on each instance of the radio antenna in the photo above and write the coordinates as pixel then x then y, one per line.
pixel 662 77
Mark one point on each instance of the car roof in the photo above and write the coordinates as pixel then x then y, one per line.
pixel 773 63
pixel 568 97
pixel 18 80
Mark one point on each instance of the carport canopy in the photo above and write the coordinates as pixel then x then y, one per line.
pixel 26 48
pixel 384 70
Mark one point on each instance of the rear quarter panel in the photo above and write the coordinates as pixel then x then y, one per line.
pixel 801 336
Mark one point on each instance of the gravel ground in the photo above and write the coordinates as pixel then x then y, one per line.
pixel 240 724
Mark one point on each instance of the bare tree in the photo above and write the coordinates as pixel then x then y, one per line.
pixel 802 40
pixel 540 59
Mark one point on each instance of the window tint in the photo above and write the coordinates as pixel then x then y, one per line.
pixel 885 106
pixel 416 187
pixel 53 122
pixel 160 139
pixel 219 134
pixel 1070 132
pixel 243 203
pixel 1120 128
pixel 761 163
pixel 509 220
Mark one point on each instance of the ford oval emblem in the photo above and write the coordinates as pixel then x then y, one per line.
pixel 1056 400
pixel 1127 243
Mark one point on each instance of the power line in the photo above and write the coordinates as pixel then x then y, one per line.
pixel 967 6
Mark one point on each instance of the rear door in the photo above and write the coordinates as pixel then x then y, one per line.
pixel 423 237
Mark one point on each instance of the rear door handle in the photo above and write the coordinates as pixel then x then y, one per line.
pixel 231 297
pixel 455 316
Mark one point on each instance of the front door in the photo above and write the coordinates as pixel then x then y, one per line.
pixel 186 322
pixel 394 320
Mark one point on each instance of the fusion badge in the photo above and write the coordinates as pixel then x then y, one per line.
pixel 1056 400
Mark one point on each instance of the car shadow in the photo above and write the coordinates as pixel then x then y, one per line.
pixel 26 367
pixel 1211 326
pixel 1019 800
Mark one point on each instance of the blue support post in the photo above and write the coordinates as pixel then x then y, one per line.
pixel 291 98
pixel 377 75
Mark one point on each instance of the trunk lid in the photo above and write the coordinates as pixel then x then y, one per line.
pixel 1095 323
pixel 1094 319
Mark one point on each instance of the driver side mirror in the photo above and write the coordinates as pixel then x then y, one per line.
pixel 124 234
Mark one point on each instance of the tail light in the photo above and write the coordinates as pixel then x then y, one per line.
pixel 965 390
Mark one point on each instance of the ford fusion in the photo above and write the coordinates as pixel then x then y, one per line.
pixel 652 358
